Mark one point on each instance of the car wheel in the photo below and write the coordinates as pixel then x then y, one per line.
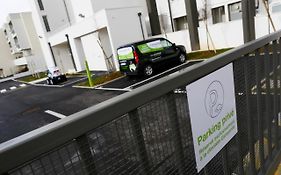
pixel 148 70
pixel 182 58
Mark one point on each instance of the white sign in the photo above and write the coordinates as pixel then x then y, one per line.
pixel 211 101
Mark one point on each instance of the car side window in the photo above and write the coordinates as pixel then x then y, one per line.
pixel 152 46
pixel 166 43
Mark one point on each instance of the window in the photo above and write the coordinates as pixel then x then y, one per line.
pixel 45 20
pixel 218 15
pixel 152 46
pixel 181 23
pixel 17 42
pixel 125 53
pixel 276 8
pixel 40 4
pixel 166 43
pixel 235 11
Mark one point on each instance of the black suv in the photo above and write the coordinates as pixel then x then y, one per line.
pixel 144 56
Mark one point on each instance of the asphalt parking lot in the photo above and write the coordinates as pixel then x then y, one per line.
pixel 11 85
pixel 28 107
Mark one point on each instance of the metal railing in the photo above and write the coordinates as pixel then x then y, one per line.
pixel 147 131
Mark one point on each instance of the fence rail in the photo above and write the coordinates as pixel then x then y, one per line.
pixel 147 131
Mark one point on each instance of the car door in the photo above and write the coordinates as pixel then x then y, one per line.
pixel 151 50
pixel 169 50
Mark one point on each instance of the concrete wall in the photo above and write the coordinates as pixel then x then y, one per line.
pixel 37 20
pixel 20 31
pixel 80 9
pixel 108 4
pixel 36 60
pixel 63 58
pixel 6 59
pixel 124 27
pixel 56 13
pixel 93 52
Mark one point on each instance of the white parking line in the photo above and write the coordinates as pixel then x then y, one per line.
pixel 113 89
pixel 22 85
pixel 13 87
pixel 3 91
pixel 58 115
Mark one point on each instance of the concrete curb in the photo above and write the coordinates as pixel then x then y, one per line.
pixel 97 86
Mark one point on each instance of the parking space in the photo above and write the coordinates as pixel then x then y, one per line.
pixel 70 81
pixel 129 83
pixel 10 85
pixel 26 109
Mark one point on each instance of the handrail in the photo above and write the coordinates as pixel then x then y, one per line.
pixel 19 150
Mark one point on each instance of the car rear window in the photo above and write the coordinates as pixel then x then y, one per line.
pixel 125 53
pixel 152 46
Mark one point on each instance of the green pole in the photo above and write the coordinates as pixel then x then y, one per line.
pixel 89 74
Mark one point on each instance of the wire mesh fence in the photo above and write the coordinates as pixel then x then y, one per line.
pixel 156 137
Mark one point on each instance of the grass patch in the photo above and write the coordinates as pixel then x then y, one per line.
pixel 33 77
pixel 77 74
pixel 101 79
pixel 205 54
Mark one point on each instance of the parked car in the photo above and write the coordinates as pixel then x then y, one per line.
pixel 144 56
pixel 55 76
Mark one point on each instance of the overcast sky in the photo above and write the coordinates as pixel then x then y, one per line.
pixel 12 6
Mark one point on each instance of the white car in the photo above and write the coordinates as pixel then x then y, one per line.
pixel 55 76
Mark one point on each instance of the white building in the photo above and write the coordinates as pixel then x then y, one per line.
pixel 24 43
pixel 7 66
pixel 90 29
pixel 224 21
pixel 72 31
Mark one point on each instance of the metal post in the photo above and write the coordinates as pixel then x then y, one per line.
pixel 89 75
pixel 250 125
pixel 225 161
pixel 239 153
pixel 171 15
pixel 248 16
pixel 139 15
pixel 175 125
pixel 70 50
pixel 138 135
pixel 52 52
pixel 259 109
pixel 268 101
pixel 192 20
pixel 279 62
pixel 153 17
pixel 275 99
pixel 86 154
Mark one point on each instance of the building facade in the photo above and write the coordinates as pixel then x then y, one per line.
pixel 220 21
pixel 23 42
pixel 7 66
pixel 74 31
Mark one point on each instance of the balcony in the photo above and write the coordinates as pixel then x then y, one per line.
pixel 20 61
